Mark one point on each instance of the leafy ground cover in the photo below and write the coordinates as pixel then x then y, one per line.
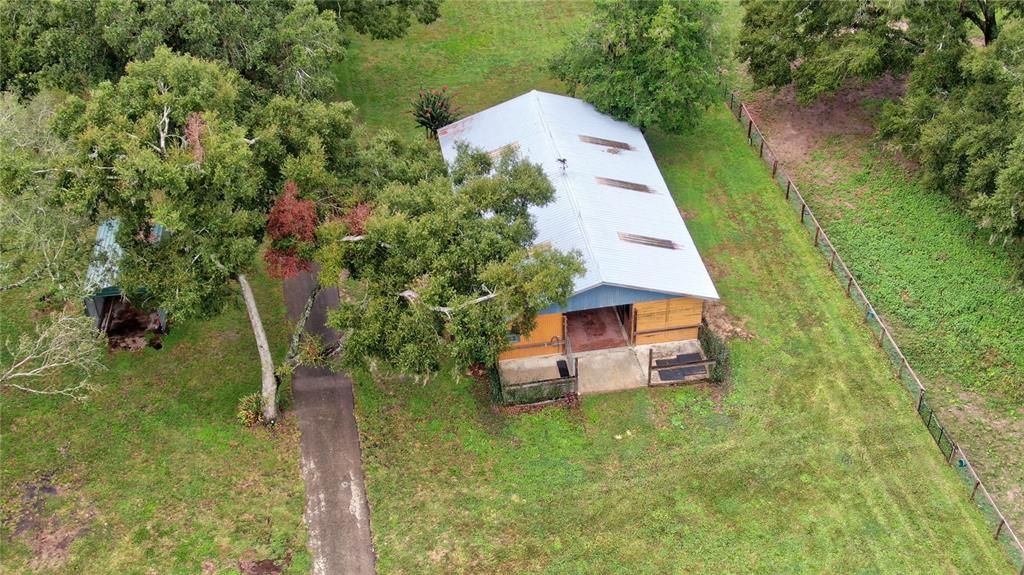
pixel 811 461
pixel 153 474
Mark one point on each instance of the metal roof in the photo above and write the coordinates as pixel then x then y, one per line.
pixel 611 202
pixel 106 253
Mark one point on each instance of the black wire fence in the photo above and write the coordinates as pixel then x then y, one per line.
pixel 1001 529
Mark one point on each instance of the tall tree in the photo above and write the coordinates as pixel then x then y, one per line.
pixel 817 46
pixel 41 242
pixel 960 116
pixel 446 271
pixel 164 147
pixel 649 63
pixel 383 20
pixel 282 46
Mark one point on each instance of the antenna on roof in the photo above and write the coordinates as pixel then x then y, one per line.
pixel 564 163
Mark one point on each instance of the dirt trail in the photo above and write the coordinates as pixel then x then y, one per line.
pixel 795 131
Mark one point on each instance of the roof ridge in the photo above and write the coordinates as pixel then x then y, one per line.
pixel 568 187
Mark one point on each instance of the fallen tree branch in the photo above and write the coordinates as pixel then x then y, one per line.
pixel 300 327
pixel 413 297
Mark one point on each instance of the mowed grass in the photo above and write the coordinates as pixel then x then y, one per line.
pixel 812 461
pixel 485 52
pixel 153 473
pixel 949 295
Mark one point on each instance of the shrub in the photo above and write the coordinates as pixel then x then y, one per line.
pixel 291 225
pixel 434 109
pixel 250 409
pixel 717 351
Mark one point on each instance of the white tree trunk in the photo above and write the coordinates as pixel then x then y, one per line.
pixel 266 361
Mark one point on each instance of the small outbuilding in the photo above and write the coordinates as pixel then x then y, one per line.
pixel 641 299
pixel 107 304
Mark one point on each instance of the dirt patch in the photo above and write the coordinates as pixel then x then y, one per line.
pixel 716 391
pixel 724 324
pixel 50 537
pixel 996 441
pixel 595 329
pixel 570 401
pixel 247 565
pixel 794 131
pixel 131 329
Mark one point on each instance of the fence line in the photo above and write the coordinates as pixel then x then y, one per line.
pixel 1002 530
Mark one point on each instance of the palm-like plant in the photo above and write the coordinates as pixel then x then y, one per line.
pixel 435 109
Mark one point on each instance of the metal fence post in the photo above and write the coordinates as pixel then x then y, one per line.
pixel 903 364
pixel 650 365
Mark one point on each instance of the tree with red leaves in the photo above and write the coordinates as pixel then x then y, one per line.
pixel 356 218
pixel 292 227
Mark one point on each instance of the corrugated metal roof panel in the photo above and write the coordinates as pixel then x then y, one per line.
pixel 106 253
pixel 586 215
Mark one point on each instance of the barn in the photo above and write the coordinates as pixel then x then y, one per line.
pixel 641 299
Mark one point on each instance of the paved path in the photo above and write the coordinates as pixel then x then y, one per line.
pixel 337 514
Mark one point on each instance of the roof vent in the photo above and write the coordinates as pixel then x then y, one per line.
pixel 623 184
pixel 608 143
pixel 649 241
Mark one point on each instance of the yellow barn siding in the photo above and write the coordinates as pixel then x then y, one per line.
pixel 548 331
pixel 667 320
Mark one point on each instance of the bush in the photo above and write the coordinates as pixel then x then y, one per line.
pixel 250 409
pixel 717 351
pixel 434 109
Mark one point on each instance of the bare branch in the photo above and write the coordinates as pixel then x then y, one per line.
pixel 65 342
pixel 414 297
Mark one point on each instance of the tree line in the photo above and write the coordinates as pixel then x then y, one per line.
pixel 209 120
pixel 962 116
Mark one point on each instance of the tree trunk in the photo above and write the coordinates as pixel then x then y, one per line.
pixel 266 361
pixel 300 325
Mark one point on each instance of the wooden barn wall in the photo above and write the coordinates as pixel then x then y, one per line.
pixel 548 331
pixel 673 319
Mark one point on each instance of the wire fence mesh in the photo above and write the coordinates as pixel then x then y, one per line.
pixel 537 392
pixel 1001 529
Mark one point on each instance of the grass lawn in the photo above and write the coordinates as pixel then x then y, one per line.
pixel 950 298
pixel 947 293
pixel 812 461
pixel 153 474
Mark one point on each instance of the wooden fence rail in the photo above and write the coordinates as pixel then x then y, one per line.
pixel 1002 530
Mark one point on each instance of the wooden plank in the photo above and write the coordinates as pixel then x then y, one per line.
pixel 545 339
pixel 682 334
